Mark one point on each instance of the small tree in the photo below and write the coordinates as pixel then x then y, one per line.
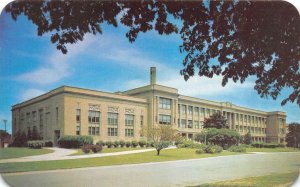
pixel 20 139
pixel 222 137
pixel 247 138
pixel 293 136
pixel 161 135
pixel 215 121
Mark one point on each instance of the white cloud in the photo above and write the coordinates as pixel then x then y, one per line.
pixel 118 50
pixel 202 86
pixel 31 93
pixel 56 66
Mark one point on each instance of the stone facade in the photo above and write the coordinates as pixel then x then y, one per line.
pixel 120 116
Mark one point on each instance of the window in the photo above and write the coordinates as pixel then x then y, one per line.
pixel 129 120
pixel 112 131
pixel 183 123
pixel 77 130
pixel 129 132
pixel 281 122
pixel 34 116
pixel 56 114
pixel 197 111
pixel 164 119
pixel 190 109
pixel 94 116
pixel 201 124
pixel 142 120
pixel 208 112
pixel 202 111
pixel 28 118
pixel 196 123
pixel 190 124
pixel 183 109
pixel 78 115
pixel 245 118
pixel 164 103
pixel 112 118
pixel 93 130
pixel 41 122
pixel 178 121
pixel 241 117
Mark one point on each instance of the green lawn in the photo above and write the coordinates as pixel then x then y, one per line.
pixel 108 150
pixel 166 155
pixel 283 179
pixel 278 149
pixel 12 152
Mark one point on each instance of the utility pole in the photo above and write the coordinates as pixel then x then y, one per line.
pixel 4 120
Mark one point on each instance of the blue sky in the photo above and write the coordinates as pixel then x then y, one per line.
pixel 31 65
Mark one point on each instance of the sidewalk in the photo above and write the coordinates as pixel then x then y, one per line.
pixel 62 154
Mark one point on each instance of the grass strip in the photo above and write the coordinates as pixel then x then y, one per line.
pixel 278 179
pixel 12 152
pixel 166 155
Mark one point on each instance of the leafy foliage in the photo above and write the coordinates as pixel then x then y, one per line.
pixel 211 149
pixel 86 148
pixel 142 143
pixel 237 148
pixel 122 143
pixel 4 134
pixel 247 138
pixel 19 140
pixel 247 38
pixel 161 136
pixel 215 121
pixel 36 144
pixel 69 141
pixel 97 148
pixel 293 135
pixel 222 137
pixel 134 143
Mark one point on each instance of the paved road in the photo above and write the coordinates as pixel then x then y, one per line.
pixel 173 173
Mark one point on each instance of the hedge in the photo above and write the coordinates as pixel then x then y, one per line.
pixel 35 144
pixel 74 141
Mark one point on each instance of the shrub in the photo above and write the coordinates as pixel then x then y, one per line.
pixel 186 143
pixel 48 143
pixel 20 140
pixel 86 148
pixel 35 144
pixel 281 145
pixel 212 149
pixel 116 143
pixel 257 144
pixel 200 151
pixel 178 141
pixel 189 144
pixel 134 143
pixel 235 148
pixel 97 148
pixel 142 143
pixel 100 142
pixel 74 141
pixel 148 144
pixel 128 144
pixel 270 145
pixel 109 144
pixel 122 143
pixel 221 137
